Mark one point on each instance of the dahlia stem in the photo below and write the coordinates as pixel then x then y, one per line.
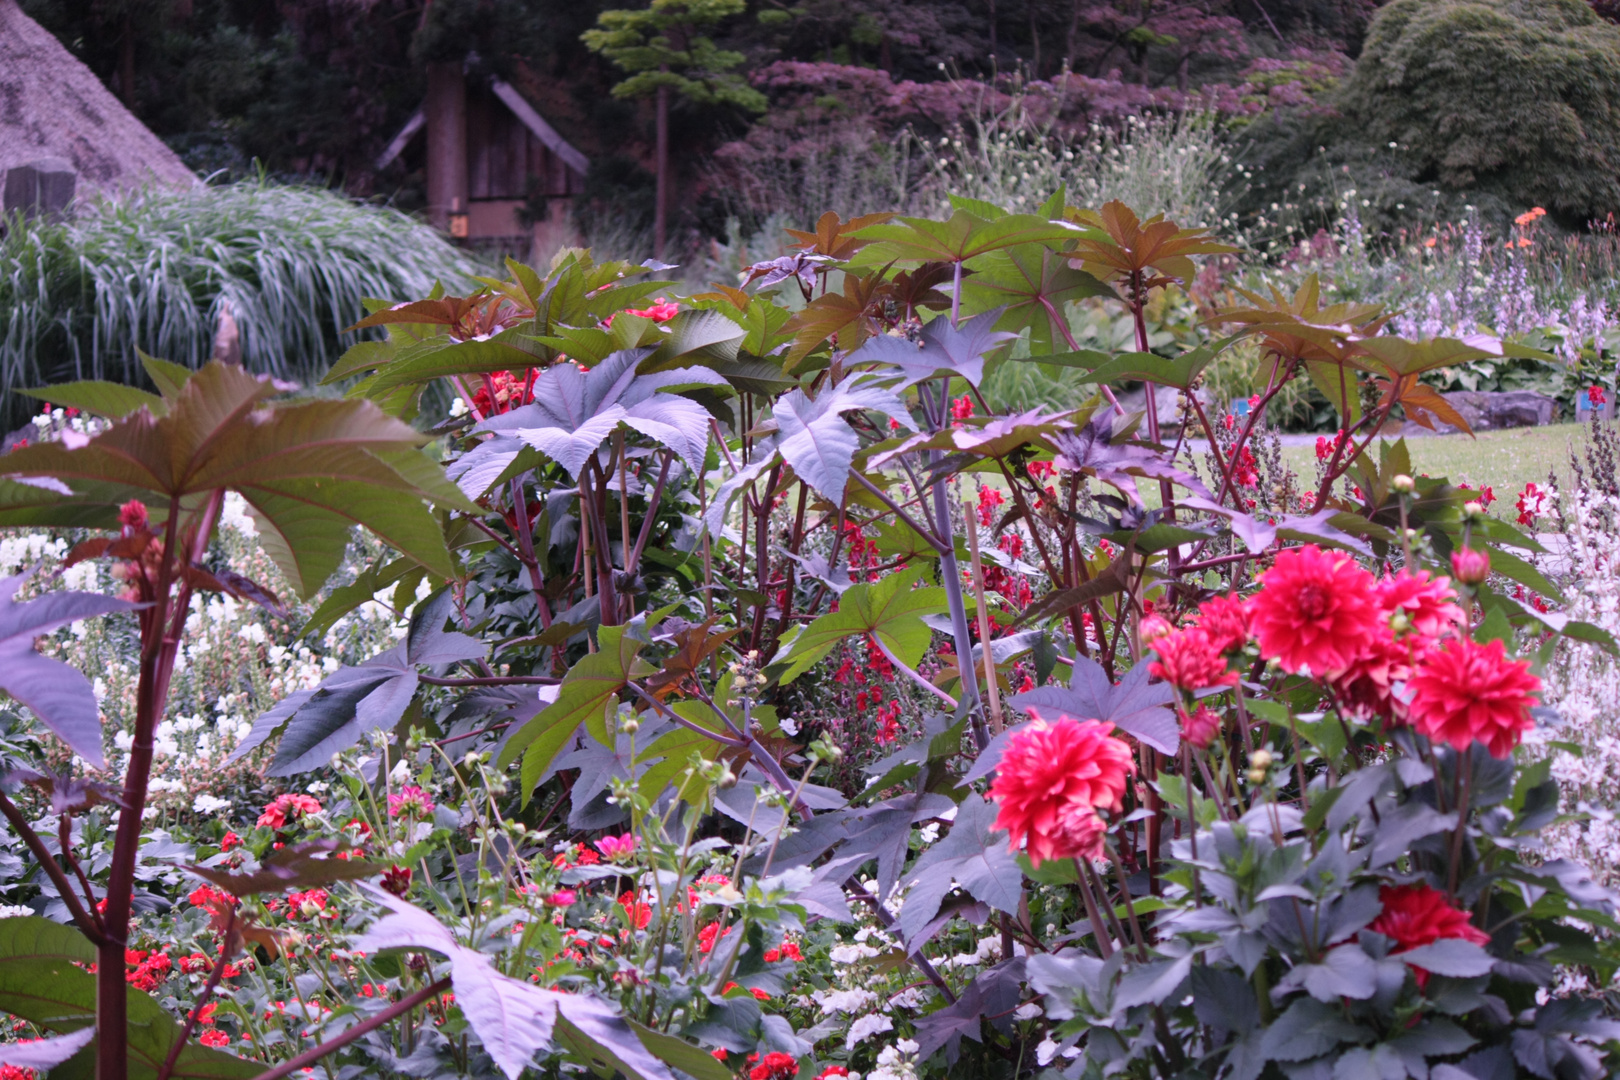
pixel 1465 770
pixel 1105 947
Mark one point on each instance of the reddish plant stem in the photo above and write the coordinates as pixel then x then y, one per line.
pixel 399 1008
pixel 89 924
pixel 202 1001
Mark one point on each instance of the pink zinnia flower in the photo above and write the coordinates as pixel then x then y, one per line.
pixel 1189 661
pixel 1417 915
pixel 411 802
pixel 1050 777
pixel 1317 609
pixel 1466 692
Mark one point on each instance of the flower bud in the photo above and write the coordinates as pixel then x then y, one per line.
pixel 1260 759
pixel 1470 566
pixel 629 725
pixel 1403 484
pixel 1257 776
pixel 1473 511
pixel 728 780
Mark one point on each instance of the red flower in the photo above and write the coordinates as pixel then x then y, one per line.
pixel 1245 470
pixel 1201 727
pixel 1594 394
pixel 411 802
pixel 1189 661
pixel 776 1066
pixel 214 1037
pixel 285 808
pixel 832 1072
pixel 989 499
pixel 397 880
pixel 1417 915
pixel 962 407
pixel 638 912
pixel 230 841
pixel 1051 779
pixel 1466 692
pixel 1470 566
pixel 132 516
pixel 1426 602
pixel 1532 503
pixel 1225 620
pixel 1316 610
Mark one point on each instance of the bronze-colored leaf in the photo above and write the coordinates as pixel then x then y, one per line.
pixel 300 866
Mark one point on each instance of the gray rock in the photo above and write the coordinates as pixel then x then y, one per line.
pixel 1492 410
pixel 40 187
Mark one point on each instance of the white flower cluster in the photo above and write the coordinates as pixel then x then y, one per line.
pixel 1583 684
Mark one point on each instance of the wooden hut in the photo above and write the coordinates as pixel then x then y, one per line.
pixel 487 152
pixel 63 135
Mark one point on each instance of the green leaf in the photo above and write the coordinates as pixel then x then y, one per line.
pixel 436 358
pixel 104 399
pixel 1516 569
pixel 587 694
pixel 1147 367
pixel 169 378
pixel 1033 283
pixel 39 982
pixel 694 1061
pixel 345 598
pixel 962 237
pixel 890 609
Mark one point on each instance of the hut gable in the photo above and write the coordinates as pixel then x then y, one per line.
pixel 53 107
pixel 488 153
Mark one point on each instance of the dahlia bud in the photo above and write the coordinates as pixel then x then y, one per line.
pixel 1470 566
pixel 1473 511
pixel 1403 484
pixel 1154 627
pixel 1260 759
pixel 728 780
pixel 629 725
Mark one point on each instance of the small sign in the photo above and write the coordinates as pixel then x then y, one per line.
pixel 1240 406
pixel 1588 402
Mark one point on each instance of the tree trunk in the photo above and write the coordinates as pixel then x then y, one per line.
pixel 661 191
pixel 126 64
pixel 446 112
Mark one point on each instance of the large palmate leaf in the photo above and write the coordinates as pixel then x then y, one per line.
pixel 354 700
pixel 1136 706
pixel 945 350
pixel 301 866
pixel 974 856
pixel 1092 451
pixel 40 981
pixel 309 471
pixel 891 609
pixel 512 1019
pixel 1029 285
pixel 842 314
pixel 587 694
pixel 574 411
pixel 965 235
pixel 1121 245
pixel 815 439
pixel 55 692
pixel 836 239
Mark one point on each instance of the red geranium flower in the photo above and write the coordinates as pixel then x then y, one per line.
pixel 1051 780
pixel 776 1066
pixel 1317 609
pixel 1465 692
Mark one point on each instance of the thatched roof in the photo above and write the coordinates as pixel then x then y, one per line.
pixel 52 106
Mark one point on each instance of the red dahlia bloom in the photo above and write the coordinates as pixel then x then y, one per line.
pixel 1200 727
pixel 1426 602
pixel 1417 915
pixel 1189 661
pixel 1465 692
pixel 1226 620
pixel 1051 780
pixel 1317 609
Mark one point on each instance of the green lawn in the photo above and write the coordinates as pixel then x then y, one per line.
pixel 1504 460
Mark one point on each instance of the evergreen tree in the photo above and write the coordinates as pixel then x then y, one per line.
pixel 664 50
